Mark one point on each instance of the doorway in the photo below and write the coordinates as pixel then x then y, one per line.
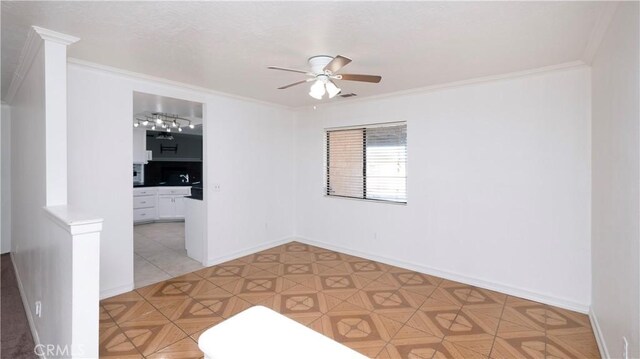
pixel 167 187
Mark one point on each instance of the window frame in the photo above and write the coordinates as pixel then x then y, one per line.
pixel 326 176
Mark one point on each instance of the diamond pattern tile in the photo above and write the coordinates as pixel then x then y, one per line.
pixel 379 310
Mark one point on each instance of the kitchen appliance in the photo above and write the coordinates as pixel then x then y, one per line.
pixel 138 173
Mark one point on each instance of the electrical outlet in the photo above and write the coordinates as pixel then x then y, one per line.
pixel 625 348
pixel 38 309
pixel 216 187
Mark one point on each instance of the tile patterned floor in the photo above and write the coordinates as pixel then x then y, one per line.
pixel 379 310
pixel 160 253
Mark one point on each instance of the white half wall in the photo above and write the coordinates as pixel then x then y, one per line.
pixel 56 271
pixel 616 184
pixel 498 185
pixel 248 152
pixel 5 180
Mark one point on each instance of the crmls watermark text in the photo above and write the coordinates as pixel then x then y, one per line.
pixel 57 350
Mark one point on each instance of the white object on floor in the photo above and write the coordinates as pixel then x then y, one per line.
pixel 260 332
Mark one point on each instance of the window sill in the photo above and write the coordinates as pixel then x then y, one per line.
pixel 367 200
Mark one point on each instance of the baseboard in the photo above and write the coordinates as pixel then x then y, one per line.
pixel 25 304
pixel 221 259
pixel 506 289
pixel 115 291
pixel 604 352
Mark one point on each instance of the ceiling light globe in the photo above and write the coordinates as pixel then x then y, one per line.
pixel 153 127
pixel 136 124
pixel 168 129
pixel 174 124
pixel 179 129
pixel 332 89
pixel 317 90
pixel 145 122
pixel 158 120
pixel 192 126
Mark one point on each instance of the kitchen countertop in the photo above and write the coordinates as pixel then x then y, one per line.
pixel 196 192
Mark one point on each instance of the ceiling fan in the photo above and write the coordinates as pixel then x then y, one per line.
pixel 323 73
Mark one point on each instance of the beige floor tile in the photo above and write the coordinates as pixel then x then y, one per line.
pixel 379 310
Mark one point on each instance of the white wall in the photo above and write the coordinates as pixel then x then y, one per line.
pixel 41 251
pixel 251 158
pixel 616 183
pixel 31 245
pixel 498 185
pixel 5 180
pixel 248 151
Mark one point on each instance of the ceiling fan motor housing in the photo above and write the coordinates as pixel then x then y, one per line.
pixel 319 62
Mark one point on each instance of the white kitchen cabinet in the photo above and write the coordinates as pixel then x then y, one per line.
pixel 144 215
pixel 171 202
pixel 171 207
pixel 179 206
pixel 166 207
pixel 145 191
pixel 144 201
pixel 144 204
pixel 140 145
pixel 159 203
pixel 174 190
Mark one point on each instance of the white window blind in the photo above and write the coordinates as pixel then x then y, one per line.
pixel 367 163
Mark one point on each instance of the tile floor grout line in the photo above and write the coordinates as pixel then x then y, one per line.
pixel 161 248
pixel 160 269
pixel 386 284
pixel 170 321
pixel 546 338
pixel 123 333
pixel 504 305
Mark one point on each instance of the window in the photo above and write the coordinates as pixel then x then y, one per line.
pixel 369 162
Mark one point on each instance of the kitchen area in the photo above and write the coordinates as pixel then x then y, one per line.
pixel 167 188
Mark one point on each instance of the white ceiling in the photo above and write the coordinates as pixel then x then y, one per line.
pixel 146 104
pixel 226 46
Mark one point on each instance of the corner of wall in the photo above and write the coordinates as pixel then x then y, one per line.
pixel 595 326
pixel 5 179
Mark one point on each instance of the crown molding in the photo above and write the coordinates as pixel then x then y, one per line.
pixel 448 85
pixel 599 30
pixel 35 37
pixel 159 80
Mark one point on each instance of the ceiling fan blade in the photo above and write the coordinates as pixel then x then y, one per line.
pixel 290 70
pixel 337 63
pixel 361 78
pixel 294 84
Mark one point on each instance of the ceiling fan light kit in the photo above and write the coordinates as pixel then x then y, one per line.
pixel 317 90
pixel 332 89
pixel 323 72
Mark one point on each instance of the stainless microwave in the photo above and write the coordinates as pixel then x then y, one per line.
pixel 138 173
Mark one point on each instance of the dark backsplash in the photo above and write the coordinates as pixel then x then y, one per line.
pixel 158 172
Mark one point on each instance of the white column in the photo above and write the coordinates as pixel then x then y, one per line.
pixel 55 79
